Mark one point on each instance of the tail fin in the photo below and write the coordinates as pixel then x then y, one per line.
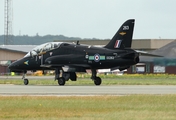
pixel 123 38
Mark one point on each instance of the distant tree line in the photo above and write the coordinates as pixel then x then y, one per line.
pixel 35 40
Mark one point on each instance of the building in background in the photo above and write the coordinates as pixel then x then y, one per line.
pixel 165 64
pixel 10 53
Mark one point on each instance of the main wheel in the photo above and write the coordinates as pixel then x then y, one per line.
pixel 61 81
pixel 26 81
pixel 97 81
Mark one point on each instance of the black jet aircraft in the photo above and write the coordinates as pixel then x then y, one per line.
pixel 68 58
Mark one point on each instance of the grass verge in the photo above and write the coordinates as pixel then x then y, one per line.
pixel 105 81
pixel 132 107
pixel 111 79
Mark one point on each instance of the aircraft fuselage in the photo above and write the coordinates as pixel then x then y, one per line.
pixel 79 55
pixel 68 58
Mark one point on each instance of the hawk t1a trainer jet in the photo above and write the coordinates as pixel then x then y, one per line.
pixel 68 58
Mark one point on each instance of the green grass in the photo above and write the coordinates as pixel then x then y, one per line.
pixel 132 107
pixel 136 79
pixel 90 82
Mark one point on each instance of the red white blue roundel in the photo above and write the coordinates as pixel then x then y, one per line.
pixel 96 57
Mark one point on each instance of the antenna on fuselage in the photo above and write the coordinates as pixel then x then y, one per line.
pixel 77 42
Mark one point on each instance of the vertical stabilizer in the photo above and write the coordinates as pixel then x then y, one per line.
pixel 123 38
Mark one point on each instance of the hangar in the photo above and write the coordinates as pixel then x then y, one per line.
pixel 10 53
pixel 166 64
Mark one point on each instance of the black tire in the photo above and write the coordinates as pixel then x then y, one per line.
pixel 61 81
pixel 97 81
pixel 26 81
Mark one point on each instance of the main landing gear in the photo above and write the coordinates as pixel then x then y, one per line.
pixel 62 77
pixel 61 81
pixel 97 80
pixel 26 81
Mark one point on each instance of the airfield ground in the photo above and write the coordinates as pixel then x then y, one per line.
pixel 127 79
pixel 131 106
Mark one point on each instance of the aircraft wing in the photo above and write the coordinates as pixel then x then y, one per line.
pixel 62 65
pixel 68 68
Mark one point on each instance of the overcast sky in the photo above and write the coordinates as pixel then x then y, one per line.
pixel 92 18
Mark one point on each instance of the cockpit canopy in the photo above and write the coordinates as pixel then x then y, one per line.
pixel 43 48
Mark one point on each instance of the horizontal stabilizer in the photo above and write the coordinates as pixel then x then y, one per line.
pixel 143 53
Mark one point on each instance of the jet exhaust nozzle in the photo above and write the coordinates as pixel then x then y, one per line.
pixel 136 59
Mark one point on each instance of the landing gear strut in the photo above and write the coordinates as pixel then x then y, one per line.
pixel 26 81
pixel 97 80
pixel 62 76
pixel 61 80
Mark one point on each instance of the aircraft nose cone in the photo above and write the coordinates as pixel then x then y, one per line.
pixel 15 65
pixel 12 66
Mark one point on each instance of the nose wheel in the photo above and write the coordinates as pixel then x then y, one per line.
pixel 26 81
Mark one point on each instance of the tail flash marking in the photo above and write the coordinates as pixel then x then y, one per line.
pixel 117 43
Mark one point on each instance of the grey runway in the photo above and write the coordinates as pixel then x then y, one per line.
pixel 86 90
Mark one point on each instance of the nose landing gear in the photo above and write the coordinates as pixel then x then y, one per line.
pixel 26 81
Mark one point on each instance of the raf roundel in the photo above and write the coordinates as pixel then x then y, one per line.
pixel 96 57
